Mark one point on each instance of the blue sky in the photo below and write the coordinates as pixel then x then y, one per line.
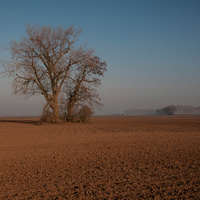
pixel 152 48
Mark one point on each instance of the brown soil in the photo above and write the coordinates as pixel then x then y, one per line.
pixel 110 158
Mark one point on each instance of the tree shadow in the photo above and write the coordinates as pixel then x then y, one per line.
pixel 33 121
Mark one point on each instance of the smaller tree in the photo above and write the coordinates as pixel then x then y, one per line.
pixel 82 85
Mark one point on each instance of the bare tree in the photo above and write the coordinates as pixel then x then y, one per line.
pixel 46 60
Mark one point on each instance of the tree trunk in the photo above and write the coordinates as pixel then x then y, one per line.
pixel 70 109
pixel 69 114
pixel 56 115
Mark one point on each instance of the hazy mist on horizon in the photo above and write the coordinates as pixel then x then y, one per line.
pixel 152 49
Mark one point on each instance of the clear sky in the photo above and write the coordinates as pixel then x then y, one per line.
pixel 152 49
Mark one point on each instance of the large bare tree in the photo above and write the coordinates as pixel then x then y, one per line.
pixel 47 60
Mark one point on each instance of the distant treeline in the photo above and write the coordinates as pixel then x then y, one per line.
pixel 131 112
pixel 167 110
pixel 187 110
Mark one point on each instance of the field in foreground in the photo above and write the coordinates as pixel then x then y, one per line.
pixel 110 158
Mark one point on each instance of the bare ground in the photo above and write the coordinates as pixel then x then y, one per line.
pixel 110 158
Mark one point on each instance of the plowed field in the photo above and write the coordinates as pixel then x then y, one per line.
pixel 109 158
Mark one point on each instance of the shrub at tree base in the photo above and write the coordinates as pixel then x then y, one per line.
pixel 84 114
pixel 47 117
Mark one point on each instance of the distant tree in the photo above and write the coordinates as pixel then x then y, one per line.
pixel 197 110
pixel 47 60
pixel 179 109
pixel 168 110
